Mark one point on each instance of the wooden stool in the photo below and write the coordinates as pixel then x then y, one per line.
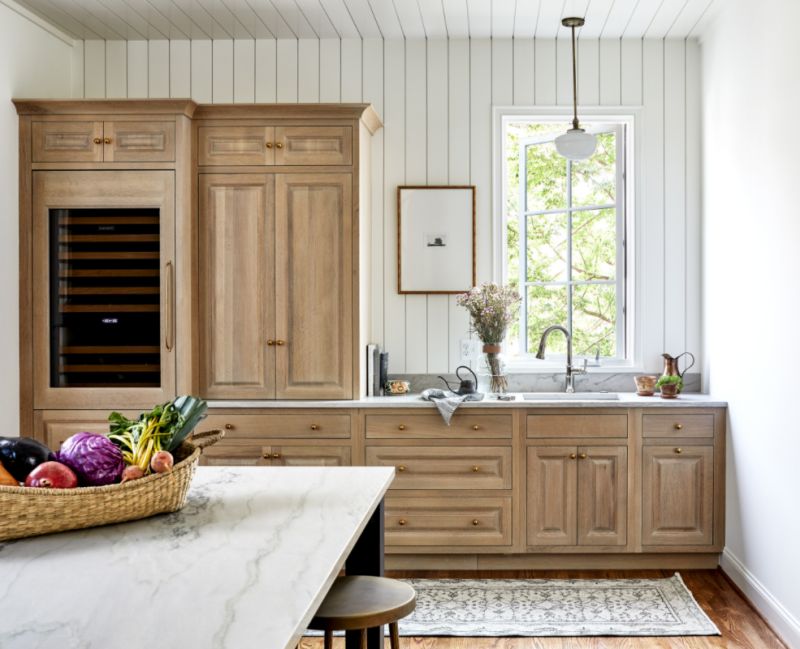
pixel 361 602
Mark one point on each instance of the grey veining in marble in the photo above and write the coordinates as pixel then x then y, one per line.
pixel 243 566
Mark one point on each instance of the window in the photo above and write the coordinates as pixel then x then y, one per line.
pixel 565 238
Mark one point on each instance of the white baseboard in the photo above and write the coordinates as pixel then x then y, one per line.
pixel 782 621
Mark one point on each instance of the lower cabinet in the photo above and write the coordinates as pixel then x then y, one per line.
pixel 54 426
pixel 677 495
pixel 577 495
pixel 275 453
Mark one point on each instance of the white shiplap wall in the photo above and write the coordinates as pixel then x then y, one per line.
pixel 436 98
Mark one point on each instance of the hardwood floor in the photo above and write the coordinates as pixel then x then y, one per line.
pixel 740 625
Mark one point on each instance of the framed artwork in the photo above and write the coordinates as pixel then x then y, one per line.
pixel 435 239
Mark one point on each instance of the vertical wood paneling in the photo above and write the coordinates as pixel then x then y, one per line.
pixel 180 69
pixel 287 70
pixel 523 72
pixel 77 63
pixel 437 166
pixel 674 196
pixel 222 74
pixel 244 71
pixel 435 98
pixel 157 72
pixel 94 67
pixel 458 127
pixel 308 63
pixel 416 170
pixel 201 71
pixel 394 139
pixel 266 70
pixel 138 69
pixel 330 85
pixel 116 69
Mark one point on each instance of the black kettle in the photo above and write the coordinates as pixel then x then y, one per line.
pixel 467 386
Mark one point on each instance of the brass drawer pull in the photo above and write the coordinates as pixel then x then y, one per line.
pixel 572 456
pixel 402 522
pixel 679 450
pixel 476 468
pixel 98 140
pixel 269 145
pixel 476 427
pixel 401 468
pixel 270 342
pixel 475 521
pixel 401 427
pixel 276 456
pixel 107 140
pixel 678 426
pixel 280 343
pixel 228 426
pixel 583 456
pixel 314 427
pixel 266 455
pixel 279 145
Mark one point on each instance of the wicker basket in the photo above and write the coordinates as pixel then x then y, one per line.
pixel 28 511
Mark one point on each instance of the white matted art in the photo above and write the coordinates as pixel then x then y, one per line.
pixel 435 239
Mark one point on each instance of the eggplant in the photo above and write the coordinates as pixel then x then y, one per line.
pixel 21 455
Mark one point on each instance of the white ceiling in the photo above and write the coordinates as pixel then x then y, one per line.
pixel 201 19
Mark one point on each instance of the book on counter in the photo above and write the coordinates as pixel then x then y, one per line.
pixel 377 370
pixel 384 372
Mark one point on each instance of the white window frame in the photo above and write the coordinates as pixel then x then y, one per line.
pixel 627 261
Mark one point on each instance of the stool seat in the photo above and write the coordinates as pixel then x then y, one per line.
pixel 363 602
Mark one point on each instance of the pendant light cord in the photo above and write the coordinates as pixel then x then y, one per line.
pixel 575 123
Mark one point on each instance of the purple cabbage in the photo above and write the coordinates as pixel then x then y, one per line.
pixel 95 459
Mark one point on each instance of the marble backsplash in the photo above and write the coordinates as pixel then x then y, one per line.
pixel 555 382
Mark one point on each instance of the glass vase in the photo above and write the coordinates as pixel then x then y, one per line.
pixel 493 369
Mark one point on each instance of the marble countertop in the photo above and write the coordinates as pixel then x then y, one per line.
pixel 243 566
pixel 626 400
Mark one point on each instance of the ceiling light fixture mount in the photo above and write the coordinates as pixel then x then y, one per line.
pixel 576 143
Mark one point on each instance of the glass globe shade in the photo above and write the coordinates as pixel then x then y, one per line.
pixel 576 144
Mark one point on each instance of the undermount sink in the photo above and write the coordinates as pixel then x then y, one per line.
pixel 570 396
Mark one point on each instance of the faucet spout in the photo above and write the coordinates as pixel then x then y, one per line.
pixel 571 371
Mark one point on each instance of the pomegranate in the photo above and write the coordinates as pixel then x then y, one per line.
pixel 52 475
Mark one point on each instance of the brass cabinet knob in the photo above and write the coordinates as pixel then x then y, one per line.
pixel 314 427
pixel 276 456
pixel 270 342
pixel 678 426
pixel 98 140
pixel 228 426
pixel 107 140
pixel 679 450
pixel 583 456
pixel 280 343
pixel 279 145
pixel 269 145
pixel 572 456
pixel 401 468
pixel 475 521
pixel 401 427
pixel 266 456
pixel 476 427
pixel 476 468
pixel 402 522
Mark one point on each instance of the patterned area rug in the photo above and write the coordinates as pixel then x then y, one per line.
pixel 555 607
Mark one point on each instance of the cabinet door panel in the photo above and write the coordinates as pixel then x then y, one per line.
pixel 313 145
pixel 235 145
pixel 236 279
pixel 67 141
pixel 312 455
pixel 678 495
pixel 139 141
pixel 314 286
pixel 602 495
pixel 552 497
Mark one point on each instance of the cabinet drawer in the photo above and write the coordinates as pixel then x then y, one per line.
pixel 238 452
pixel 431 467
pixel 678 425
pixel 313 145
pixel 54 426
pixel 72 141
pixel 295 425
pixel 543 426
pixel 139 141
pixel 480 520
pixel 416 426
pixel 235 145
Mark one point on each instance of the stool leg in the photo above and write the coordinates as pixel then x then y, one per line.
pixel 328 639
pixel 394 633
pixel 363 639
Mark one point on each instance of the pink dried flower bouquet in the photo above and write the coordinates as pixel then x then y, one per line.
pixel 492 309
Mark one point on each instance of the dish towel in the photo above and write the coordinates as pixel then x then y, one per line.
pixel 447 401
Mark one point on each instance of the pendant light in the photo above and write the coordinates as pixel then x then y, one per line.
pixel 576 143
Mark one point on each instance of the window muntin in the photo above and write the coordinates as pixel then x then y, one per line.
pixel 565 243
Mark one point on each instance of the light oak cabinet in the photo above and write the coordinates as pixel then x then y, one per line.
pixel 577 495
pixel 276 286
pixel 275 453
pixel 95 141
pixel 677 495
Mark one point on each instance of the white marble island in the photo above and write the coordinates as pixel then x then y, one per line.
pixel 243 566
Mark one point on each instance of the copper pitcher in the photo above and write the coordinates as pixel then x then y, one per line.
pixel 671 364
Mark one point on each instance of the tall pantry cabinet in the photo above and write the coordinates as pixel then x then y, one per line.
pixel 169 248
